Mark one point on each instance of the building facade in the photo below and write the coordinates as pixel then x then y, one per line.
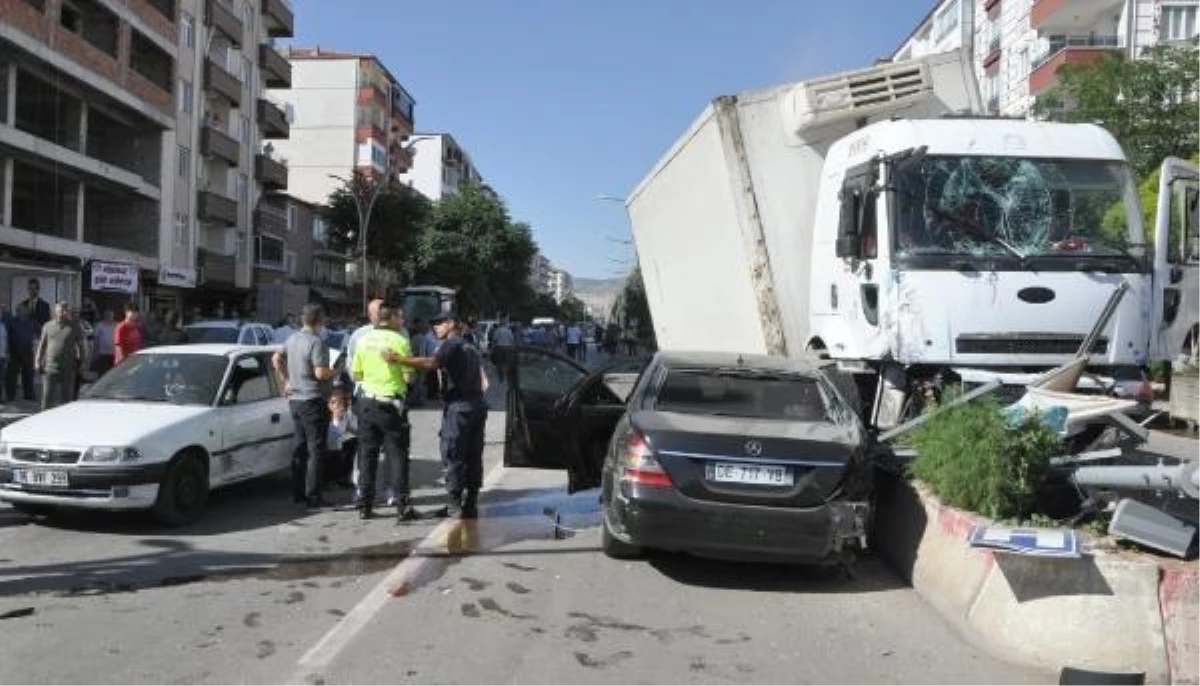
pixel 1018 45
pixel 440 166
pixel 86 119
pixel 294 264
pixel 349 113
pixel 560 285
pixel 224 162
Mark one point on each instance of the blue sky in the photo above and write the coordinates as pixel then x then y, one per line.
pixel 558 101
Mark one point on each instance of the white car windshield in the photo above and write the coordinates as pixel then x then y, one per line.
pixel 163 378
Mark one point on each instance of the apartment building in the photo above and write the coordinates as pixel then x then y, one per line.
pixel 440 166
pixel 298 266
pixel 224 164
pixel 539 273
pixel 560 285
pixel 86 119
pixel 350 113
pixel 1019 45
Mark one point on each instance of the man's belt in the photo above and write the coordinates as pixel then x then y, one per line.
pixel 385 399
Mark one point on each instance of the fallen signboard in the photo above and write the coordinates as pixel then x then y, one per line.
pixel 1023 541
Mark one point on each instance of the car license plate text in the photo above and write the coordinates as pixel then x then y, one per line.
pixel 758 475
pixel 37 477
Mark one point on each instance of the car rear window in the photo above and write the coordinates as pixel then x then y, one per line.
pixel 743 394
pixel 212 334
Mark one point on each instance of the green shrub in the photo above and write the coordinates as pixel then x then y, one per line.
pixel 971 459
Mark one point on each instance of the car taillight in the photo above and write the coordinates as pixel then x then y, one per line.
pixel 638 464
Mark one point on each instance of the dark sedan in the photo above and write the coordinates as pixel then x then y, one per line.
pixel 741 457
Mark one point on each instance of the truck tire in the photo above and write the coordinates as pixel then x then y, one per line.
pixel 183 492
pixel 616 548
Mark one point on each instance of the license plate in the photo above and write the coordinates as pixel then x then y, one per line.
pixel 37 477
pixel 756 475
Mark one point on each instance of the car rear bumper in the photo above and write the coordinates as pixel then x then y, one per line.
pixel 102 488
pixel 664 519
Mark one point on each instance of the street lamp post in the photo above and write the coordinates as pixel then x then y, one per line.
pixel 364 223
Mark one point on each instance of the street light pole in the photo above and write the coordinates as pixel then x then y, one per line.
pixel 364 224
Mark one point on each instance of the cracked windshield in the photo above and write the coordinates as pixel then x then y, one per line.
pixel 570 342
pixel 990 206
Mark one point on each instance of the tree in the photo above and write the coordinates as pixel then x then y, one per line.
pixel 631 309
pixel 396 221
pixel 1150 105
pixel 469 243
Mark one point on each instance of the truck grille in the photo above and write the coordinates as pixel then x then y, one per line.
pixel 1025 344
pixel 38 456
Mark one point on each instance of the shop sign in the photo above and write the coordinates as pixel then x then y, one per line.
pixel 180 277
pixel 114 277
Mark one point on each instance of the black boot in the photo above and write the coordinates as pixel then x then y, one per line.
pixel 406 512
pixel 365 512
pixel 470 505
pixel 454 506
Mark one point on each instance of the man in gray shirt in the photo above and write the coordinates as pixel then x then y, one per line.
pixel 59 356
pixel 303 364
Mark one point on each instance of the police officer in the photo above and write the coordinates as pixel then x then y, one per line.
pixel 383 416
pixel 464 416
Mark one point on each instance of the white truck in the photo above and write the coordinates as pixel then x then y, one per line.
pixel 873 217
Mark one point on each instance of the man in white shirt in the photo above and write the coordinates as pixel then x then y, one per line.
pixel 574 340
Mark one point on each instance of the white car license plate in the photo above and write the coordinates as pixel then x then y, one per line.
pixel 38 477
pixel 757 475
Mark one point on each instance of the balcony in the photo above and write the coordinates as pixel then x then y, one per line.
pixel 280 21
pixel 216 143
pixel 1067 16
pixel 272 174
pixel 272 120
pixel 219 81
pixel 1068 50
pixel 215 268
pixel 992 57
pixel 216 208
pixel 225 20
pixel 268 219
pixel 276 68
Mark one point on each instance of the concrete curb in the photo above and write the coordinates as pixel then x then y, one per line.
pixel 1106 612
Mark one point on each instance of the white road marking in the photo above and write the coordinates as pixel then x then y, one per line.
pixel 314 662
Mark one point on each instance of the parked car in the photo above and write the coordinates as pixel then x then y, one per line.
pixel 158 432
pixel 230 331
pixel 741 457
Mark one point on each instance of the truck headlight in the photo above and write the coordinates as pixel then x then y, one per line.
pixel 104 454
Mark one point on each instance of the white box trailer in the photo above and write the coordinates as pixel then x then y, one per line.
pixel 874 217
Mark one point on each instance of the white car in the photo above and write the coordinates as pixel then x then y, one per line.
pixel 158 432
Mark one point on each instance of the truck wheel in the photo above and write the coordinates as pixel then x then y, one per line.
pixel 614 547
pixel 183 492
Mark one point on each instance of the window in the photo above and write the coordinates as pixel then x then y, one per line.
pixel 291 218
pixel 270 251
pixel 185 162
pixel 249 382
pixel 711 391
pixel 248 73
pixel 181 229
pixel 247 132
pixel 289 263
pixel 1178 22
pixel 946 20
pixel 187 30
pixel 320 230
pixel 243 188
pixel 186 96
pixel 241 246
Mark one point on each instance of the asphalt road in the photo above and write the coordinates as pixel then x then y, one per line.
pixel 261 591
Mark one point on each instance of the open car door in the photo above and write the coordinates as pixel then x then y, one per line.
pixel 1177 261
pixel 560 416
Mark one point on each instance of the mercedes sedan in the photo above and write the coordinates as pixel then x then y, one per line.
pixel 739 457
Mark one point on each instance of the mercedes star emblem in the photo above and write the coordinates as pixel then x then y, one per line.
pixel 753 448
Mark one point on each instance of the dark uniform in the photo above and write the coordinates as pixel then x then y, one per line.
pixel 463 423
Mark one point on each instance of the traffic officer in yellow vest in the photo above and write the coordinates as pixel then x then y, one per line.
pixel 383 416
